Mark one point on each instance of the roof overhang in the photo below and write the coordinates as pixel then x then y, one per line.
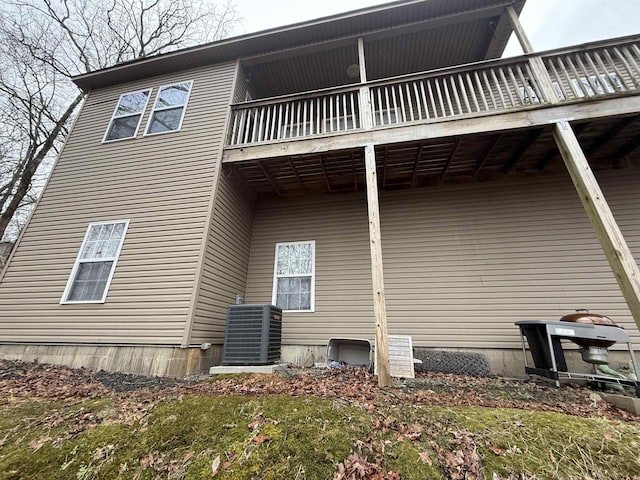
pixel 369 22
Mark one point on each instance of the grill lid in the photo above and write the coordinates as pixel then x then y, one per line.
pixel 582 315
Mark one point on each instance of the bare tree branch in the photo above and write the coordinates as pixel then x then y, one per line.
pixel 45 42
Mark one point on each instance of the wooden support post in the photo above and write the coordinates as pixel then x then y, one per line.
pixel 537 65
pixel 519 31
pixel 615 248
pixel 377 277
pixel 361 61
pixel 613 243
pixel 366 117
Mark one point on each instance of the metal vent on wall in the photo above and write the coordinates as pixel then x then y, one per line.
pixel 253 335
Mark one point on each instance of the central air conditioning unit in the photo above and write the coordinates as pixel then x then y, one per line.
pixel 253 335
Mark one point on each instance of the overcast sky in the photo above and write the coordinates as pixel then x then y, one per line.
pixel 549 23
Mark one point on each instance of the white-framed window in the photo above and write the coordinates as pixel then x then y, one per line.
pixel 93 270
pixel 127 115
pixel 294 276
pixel 169 108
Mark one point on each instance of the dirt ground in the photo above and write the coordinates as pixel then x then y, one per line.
pixel 351 385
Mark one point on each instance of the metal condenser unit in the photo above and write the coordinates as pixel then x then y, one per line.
pixel 253 335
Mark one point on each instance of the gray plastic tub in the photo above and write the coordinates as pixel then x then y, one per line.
pixel 353 352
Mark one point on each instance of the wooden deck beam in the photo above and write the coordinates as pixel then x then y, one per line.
pixel 270 178
pixel 440 129
pixel 450 159
pixel 608 136
pixel 486 154
pixel 521 150
pixel 353 170
pixel 324 172
pixel 415 166
pixel 554 152
pixel 384 167
pixel 627 148
pixel 613 243
pixel 295 172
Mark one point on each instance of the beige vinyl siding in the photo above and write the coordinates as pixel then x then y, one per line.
pixel 462 263
pixel 343 295
pixel 226 260
pixel 161 183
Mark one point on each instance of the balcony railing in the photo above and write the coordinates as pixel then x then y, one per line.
pixel 455 92
pixel 319 113
pixel 596 71
pixel 608 68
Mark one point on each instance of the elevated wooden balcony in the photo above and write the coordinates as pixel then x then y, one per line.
pixel 334 117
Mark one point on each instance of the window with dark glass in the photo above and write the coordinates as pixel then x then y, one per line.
pixel 127 115
pixel 169 108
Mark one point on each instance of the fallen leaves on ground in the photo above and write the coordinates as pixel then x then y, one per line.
pixel 18 379
pixel 342 383
pixel 215 466
pixel 456 454
pixel 356 467
pixel 353 385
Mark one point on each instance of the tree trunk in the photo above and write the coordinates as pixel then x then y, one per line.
pixel 32 164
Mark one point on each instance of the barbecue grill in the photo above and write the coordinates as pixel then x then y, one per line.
pixel 593 333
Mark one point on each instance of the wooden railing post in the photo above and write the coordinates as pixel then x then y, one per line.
pixel 375 241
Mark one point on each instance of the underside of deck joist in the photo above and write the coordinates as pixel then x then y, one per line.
pixel 608 143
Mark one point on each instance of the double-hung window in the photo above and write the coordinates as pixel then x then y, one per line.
pixel 96 262
pixel 169 108
pixel 294 276
pixel 127 115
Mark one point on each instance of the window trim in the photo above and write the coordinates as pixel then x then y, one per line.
pixel 113 116
pixel 74 271
pixel 153 109
pixel 274 294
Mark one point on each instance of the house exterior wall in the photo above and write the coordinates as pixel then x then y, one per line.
pixel 343 298
pixel 161 183
pixel 461 262
pixel 226 260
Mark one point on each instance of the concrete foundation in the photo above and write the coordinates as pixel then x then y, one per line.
pixel 142 360
pixel 303 355
pixel 180 362
pixel 503 362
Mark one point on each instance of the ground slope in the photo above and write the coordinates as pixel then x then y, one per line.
pixel 333 424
